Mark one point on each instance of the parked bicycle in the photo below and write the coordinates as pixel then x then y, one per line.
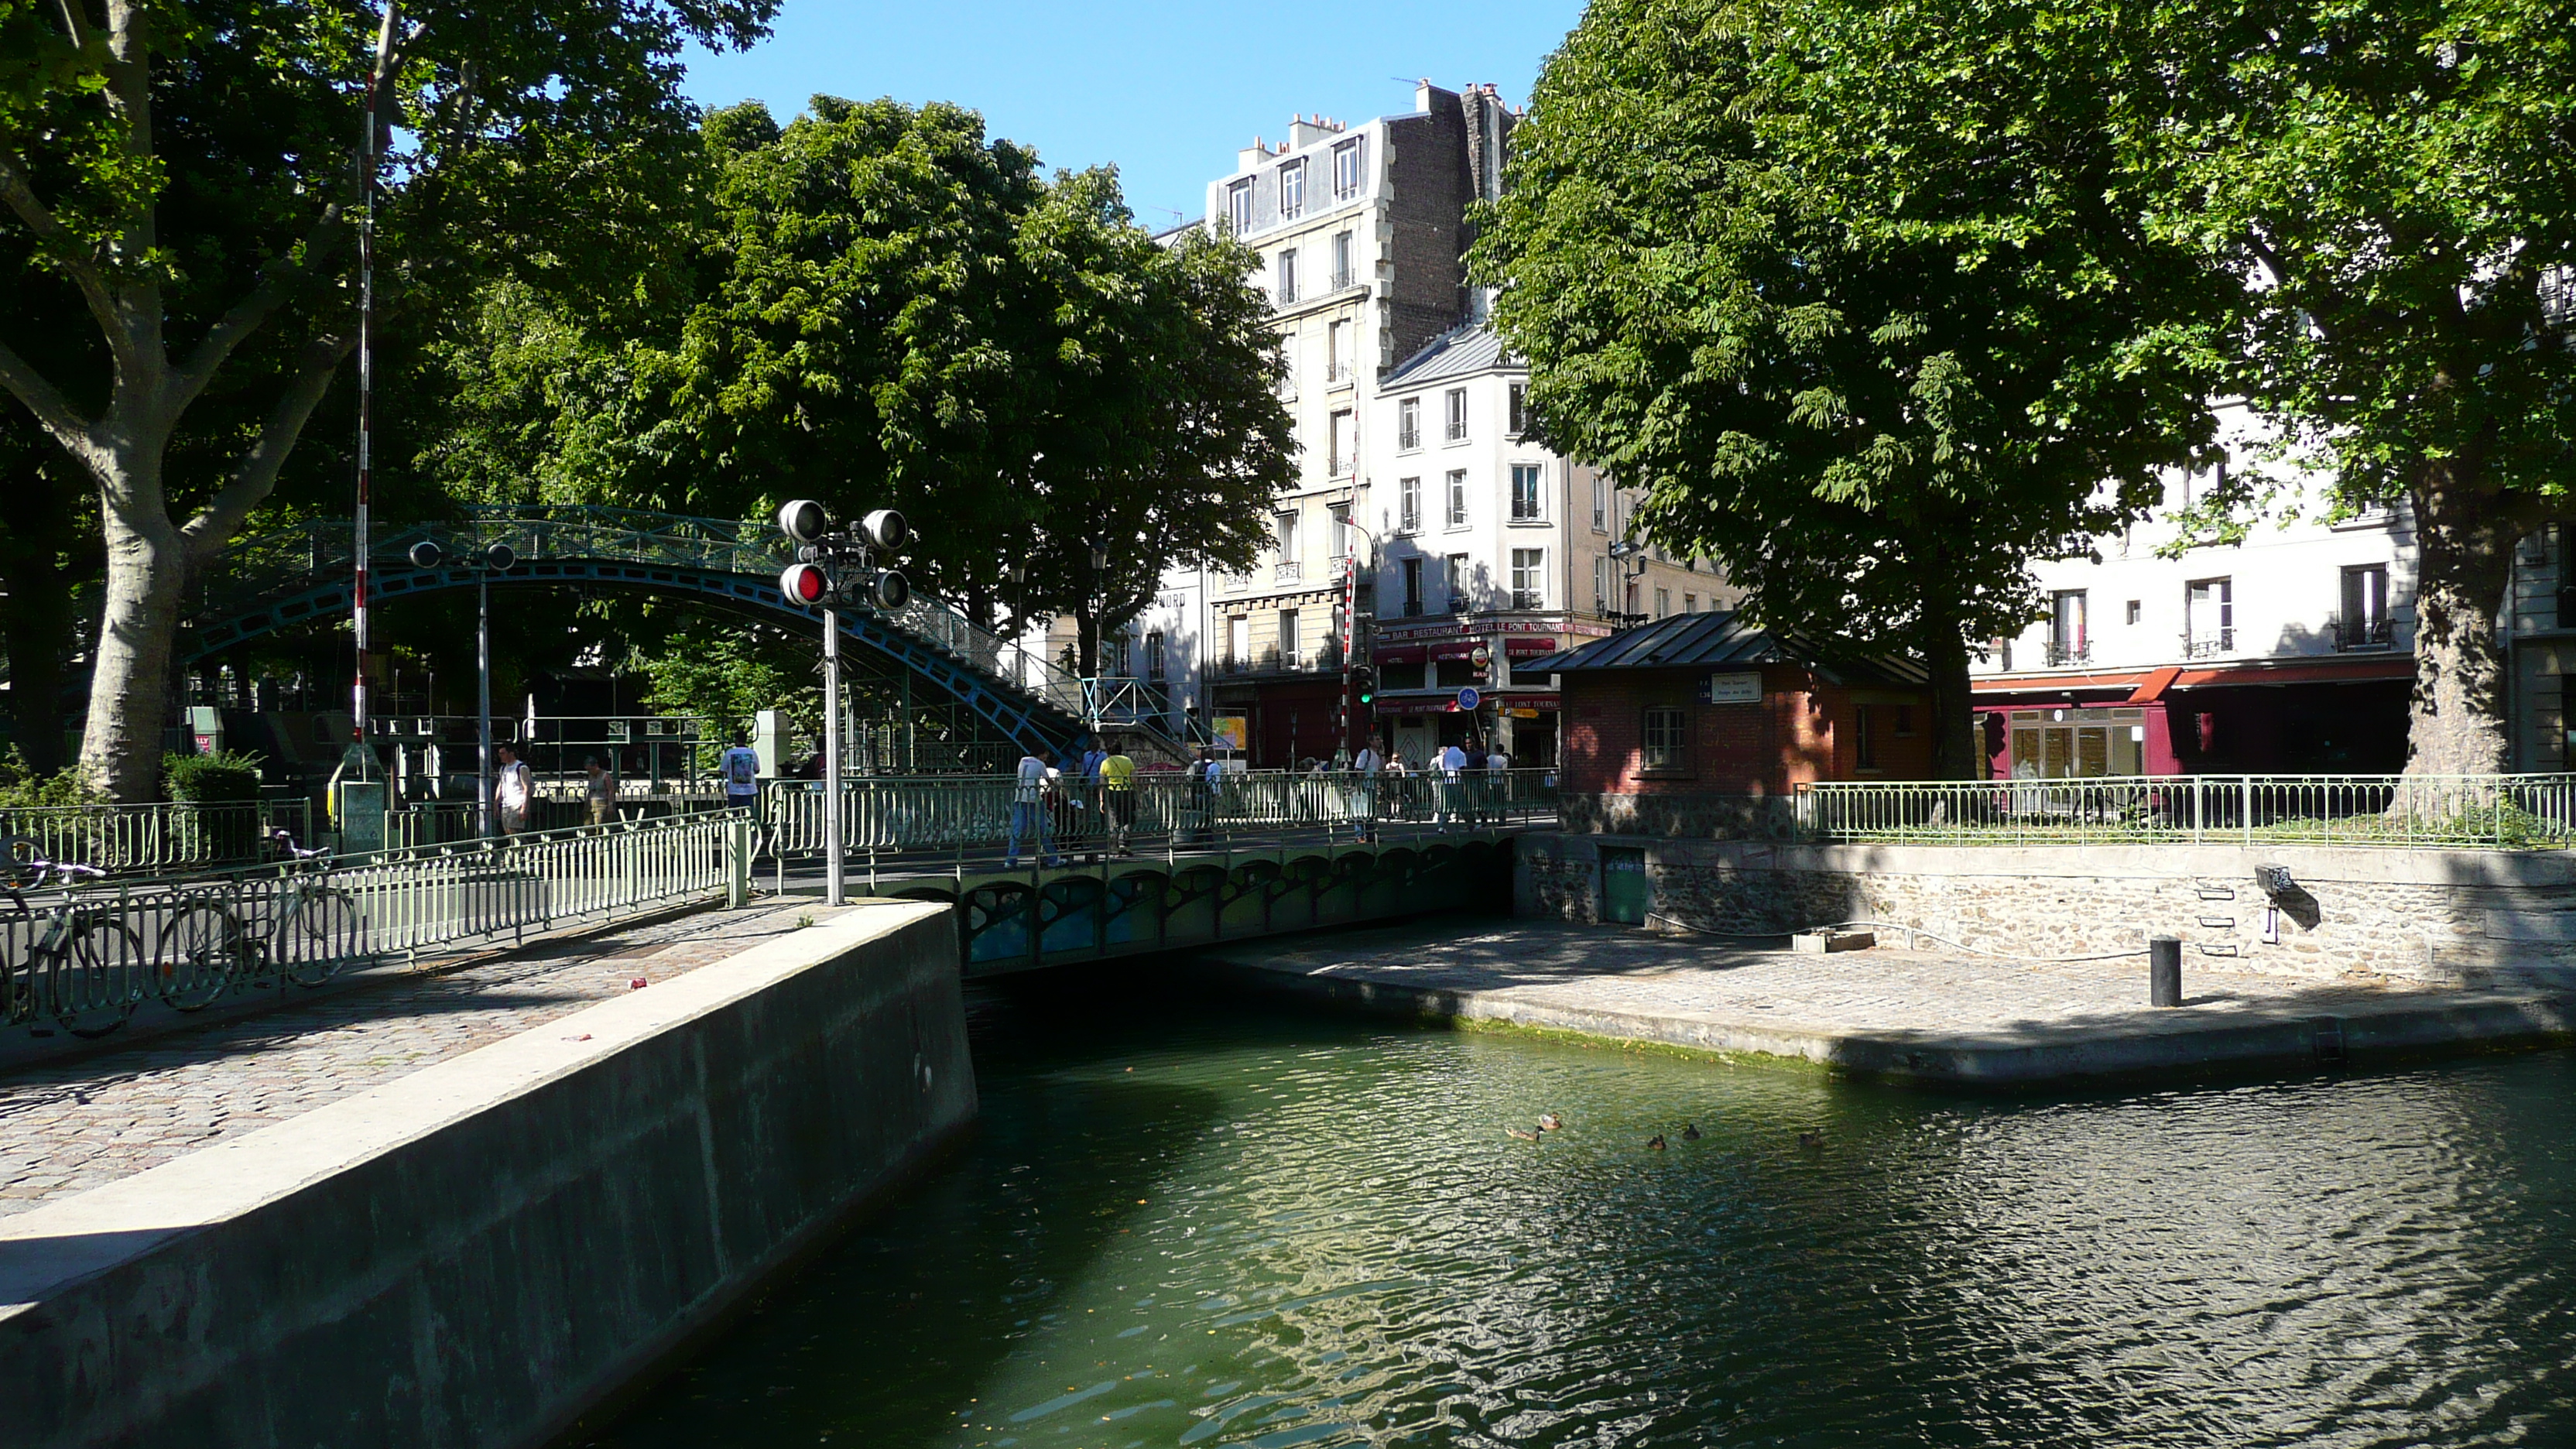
pixel 306 930
pixel 77 963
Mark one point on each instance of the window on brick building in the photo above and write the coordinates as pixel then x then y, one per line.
pixel 1665 738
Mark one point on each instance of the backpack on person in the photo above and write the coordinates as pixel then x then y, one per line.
pixel 741 771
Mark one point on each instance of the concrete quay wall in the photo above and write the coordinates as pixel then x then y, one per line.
pixel 2443 916
pixel 478 1252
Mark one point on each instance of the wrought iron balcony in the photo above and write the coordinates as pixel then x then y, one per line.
pixel 2364 634
pixel 2205 644
pixel 2063 652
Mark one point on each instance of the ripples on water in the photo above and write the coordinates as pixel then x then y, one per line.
pixel 1224 1223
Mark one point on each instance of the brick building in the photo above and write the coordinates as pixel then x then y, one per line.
pixel 1691 724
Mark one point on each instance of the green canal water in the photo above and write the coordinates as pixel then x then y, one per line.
pixel 1221 1222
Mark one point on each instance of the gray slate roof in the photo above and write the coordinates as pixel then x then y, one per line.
pixel 1458 352
pixel 1727 641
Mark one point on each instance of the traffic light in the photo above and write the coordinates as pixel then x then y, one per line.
pixel 805 584
pixel 1366 679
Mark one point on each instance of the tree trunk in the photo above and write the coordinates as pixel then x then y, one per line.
pixel 129 691
pixel 2458 722
pixel 1940 635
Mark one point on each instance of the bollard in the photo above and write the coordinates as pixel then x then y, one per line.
pixel 2164 971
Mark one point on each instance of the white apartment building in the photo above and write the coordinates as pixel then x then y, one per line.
pixel 2290 652
pixel 1492 549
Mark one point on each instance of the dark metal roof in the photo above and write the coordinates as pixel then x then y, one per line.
pixel 1458 352
pixel 1727 641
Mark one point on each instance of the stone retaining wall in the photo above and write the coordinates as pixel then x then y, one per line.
pixel 2428 915
pixel 473 1254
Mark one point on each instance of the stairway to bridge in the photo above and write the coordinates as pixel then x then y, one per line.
pixel 298 574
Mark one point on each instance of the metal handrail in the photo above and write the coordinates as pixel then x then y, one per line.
pixel 961 816
pixel 2531 811
pixel 158 837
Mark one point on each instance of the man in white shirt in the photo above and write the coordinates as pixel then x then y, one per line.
pixel 1451 762
pixel 1029 788
pixel 1367 763
pixel 512 788
pixel 1498 783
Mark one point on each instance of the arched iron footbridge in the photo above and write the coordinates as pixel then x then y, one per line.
pixel 296 575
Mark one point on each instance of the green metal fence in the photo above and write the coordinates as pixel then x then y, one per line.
pixel 2491 811
pixel 162 838
pixel 963 815
pixel 84 959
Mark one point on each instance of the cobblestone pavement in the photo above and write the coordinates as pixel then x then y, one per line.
pixel 1882 990
pixel 69 1127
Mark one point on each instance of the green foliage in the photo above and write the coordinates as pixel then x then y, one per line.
pixel 1860 294
pixel 223 775
pixel 23 788
pixel 729 675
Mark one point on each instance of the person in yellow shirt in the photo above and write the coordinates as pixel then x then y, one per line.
pixel 1118 798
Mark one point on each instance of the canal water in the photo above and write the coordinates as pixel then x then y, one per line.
pixel 1228 1222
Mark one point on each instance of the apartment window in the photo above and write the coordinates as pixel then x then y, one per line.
pixel 2133 612
pixel 1529 578
pixel 1340 514
pixel 1341 260
pixel 1284 530
pixel 1154 655
pixel 1408 424
pixel 1412 587
pixel 2364 624
pixel 1288 370
pixel 1628 605
pixel 1600 504
pixel 1287 275
pixel 1408 504
pixel 1457 427
pixel 1865 737
pixel 1337 352
pixel 1518 394
pixel 1690 603
pixel 1663 603
pixel 1344 441
pixel 1457 498
pixel 1600 585
pixel 1238 206
pixel 2200 483
pixel 2209 617
pixel 1288 655
pixel 1238 643
pixel 1459 603
pixel 2068 641
pixel 1664 734
pixel 1348 160
pixel 1292 190
pixel 1524 492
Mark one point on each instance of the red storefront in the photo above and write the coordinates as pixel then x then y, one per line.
pixel 1421 667
pixel 2293 716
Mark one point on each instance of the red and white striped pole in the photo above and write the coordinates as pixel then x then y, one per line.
pixel 361 530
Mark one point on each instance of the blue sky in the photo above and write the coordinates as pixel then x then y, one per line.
pixel 1166 91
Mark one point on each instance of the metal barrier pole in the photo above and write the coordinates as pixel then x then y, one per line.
pixel 738 863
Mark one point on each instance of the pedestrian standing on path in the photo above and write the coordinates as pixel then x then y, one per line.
pixel 1366 764
pixel 1118 799
pixel 1449 764
pixel 1030 787
pixel 1498 781
pixel 1472 780
pixel 602 791
pixel 512 789
pixel 739 768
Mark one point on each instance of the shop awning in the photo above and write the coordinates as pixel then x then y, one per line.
pixel 2054 685
pixel 1518 646
pixel 2319 671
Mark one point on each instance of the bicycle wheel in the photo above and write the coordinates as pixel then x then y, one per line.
pixel 96 977
pixel 18 857
pixel 201 955
pixel 322 934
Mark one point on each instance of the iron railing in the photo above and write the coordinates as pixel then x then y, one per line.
pixel 85 958
pixel 2493 811
pixel 160 838
pixel 968 817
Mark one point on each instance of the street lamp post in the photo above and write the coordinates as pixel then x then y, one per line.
pixel 1630 555
pixel 836 567
pixel 1351 618
pixel 497 558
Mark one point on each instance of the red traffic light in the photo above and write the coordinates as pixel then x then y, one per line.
pixel 804 584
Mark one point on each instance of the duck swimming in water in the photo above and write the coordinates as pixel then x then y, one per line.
pixel 1524 1136
pixel 1549 1121
pixel 1690 1132
pixel 1811 1139
pixel 1655 1143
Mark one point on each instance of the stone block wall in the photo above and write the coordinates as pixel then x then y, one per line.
pixel 2426 915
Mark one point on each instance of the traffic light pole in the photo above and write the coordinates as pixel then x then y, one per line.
pixel 834 894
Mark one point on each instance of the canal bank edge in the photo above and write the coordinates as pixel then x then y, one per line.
pixel 2146 1051
pixel 479 1252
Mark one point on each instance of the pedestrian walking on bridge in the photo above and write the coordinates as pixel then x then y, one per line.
pixel 1118 799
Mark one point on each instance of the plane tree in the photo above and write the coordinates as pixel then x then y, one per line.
pixel 182 177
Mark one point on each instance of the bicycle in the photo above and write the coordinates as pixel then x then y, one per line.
pixel 316 932
pixel 84 967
